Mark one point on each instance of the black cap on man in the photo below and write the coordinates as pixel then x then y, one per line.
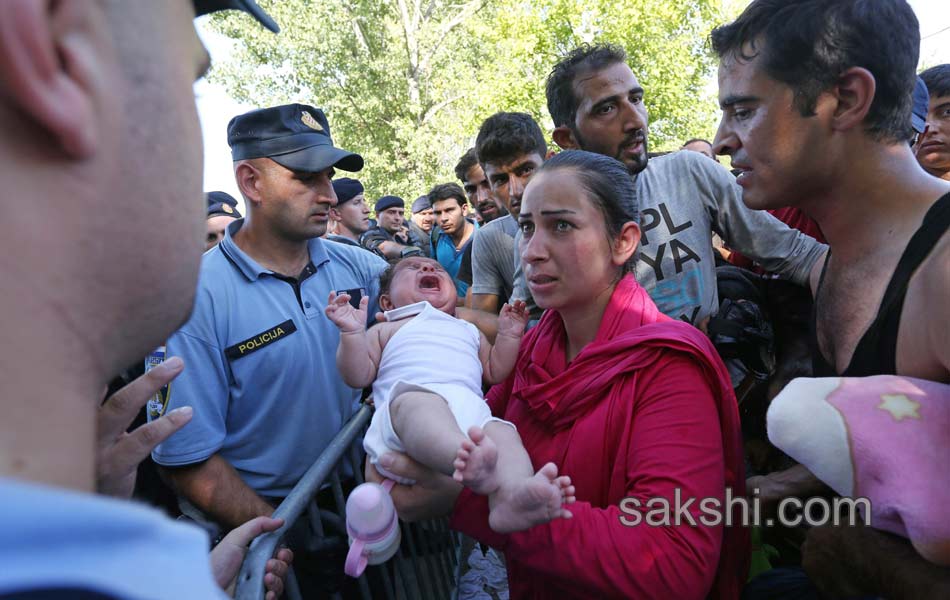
pixel 295 136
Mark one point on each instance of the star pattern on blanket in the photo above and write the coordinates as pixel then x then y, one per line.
pixel 900 406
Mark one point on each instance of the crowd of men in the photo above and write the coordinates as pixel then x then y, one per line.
pixel 837 168
pixel 686 199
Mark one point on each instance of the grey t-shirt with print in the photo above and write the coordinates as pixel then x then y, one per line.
pixel 493 269
pixel 521 291
pixel 683 199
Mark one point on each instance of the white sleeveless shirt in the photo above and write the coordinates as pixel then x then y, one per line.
pixel 432 350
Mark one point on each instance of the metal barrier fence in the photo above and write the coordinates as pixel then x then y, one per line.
pixel 425 567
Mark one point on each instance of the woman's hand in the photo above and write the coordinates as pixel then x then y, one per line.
pixel 432 496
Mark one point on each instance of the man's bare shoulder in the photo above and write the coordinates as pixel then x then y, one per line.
pixel 934 274
pixel 934 285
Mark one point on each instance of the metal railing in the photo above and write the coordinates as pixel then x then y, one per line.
pixel 425 567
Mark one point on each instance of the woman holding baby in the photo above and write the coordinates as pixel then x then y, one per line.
pixel 635 407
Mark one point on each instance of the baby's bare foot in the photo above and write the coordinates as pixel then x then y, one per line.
pixel 475 463
pixel 533 501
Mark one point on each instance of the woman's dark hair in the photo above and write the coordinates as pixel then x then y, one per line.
pixel 609 185
pixel 808 44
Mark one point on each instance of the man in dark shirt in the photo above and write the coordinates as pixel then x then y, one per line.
pixel 817 117
pixel 392 238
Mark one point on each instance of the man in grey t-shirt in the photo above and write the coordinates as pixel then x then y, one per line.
pixel 510 147
pixel 597 105
pixel 493 264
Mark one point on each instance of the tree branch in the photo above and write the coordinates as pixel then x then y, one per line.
pixel 416 14
pixel 432 110
pixel 470 8
pixel 373 131
pixel 412 51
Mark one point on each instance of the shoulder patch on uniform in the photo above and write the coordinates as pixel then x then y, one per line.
pixel 356 294
pixel 274 334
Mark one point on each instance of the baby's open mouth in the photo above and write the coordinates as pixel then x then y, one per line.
pixel 429 282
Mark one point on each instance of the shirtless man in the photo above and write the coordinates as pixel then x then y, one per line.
pixel 830 138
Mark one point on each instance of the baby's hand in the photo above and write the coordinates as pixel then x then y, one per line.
pixel 341 312
pixel 513 319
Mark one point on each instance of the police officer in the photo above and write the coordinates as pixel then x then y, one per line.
pixel 349 219
pixel 261 374
pixel 222 211
pixel 392 237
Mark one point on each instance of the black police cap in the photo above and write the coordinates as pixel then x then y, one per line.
pixel 222 203
pixel 203 7
pixel 346 189
pixel 387 202
pixel 420 204
pixel 296 136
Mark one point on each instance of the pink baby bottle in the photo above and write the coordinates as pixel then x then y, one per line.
pixel 372 525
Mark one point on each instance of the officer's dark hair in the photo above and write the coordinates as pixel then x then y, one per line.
pixel 808 44
pixel 694 140
pixel 506 136
pixel 465 164
pixel 608 184
pixel 937 80
pixel 559 89
pixel 444 191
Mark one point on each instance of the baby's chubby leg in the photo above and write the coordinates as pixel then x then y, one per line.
pixel 427 429
pixel 495 463
pixel 476 463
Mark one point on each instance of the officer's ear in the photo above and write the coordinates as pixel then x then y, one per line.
pixel 49 64
pixel 249 174
pixel 385 302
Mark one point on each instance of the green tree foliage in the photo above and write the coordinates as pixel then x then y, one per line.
pixel 408 82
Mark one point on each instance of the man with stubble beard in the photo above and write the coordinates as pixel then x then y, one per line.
pixel 597 105
pixel 477 188
pixel 510 148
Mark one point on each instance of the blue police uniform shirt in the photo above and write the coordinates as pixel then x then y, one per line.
pixel 75 545
pixel 451 259
pixel 260 363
